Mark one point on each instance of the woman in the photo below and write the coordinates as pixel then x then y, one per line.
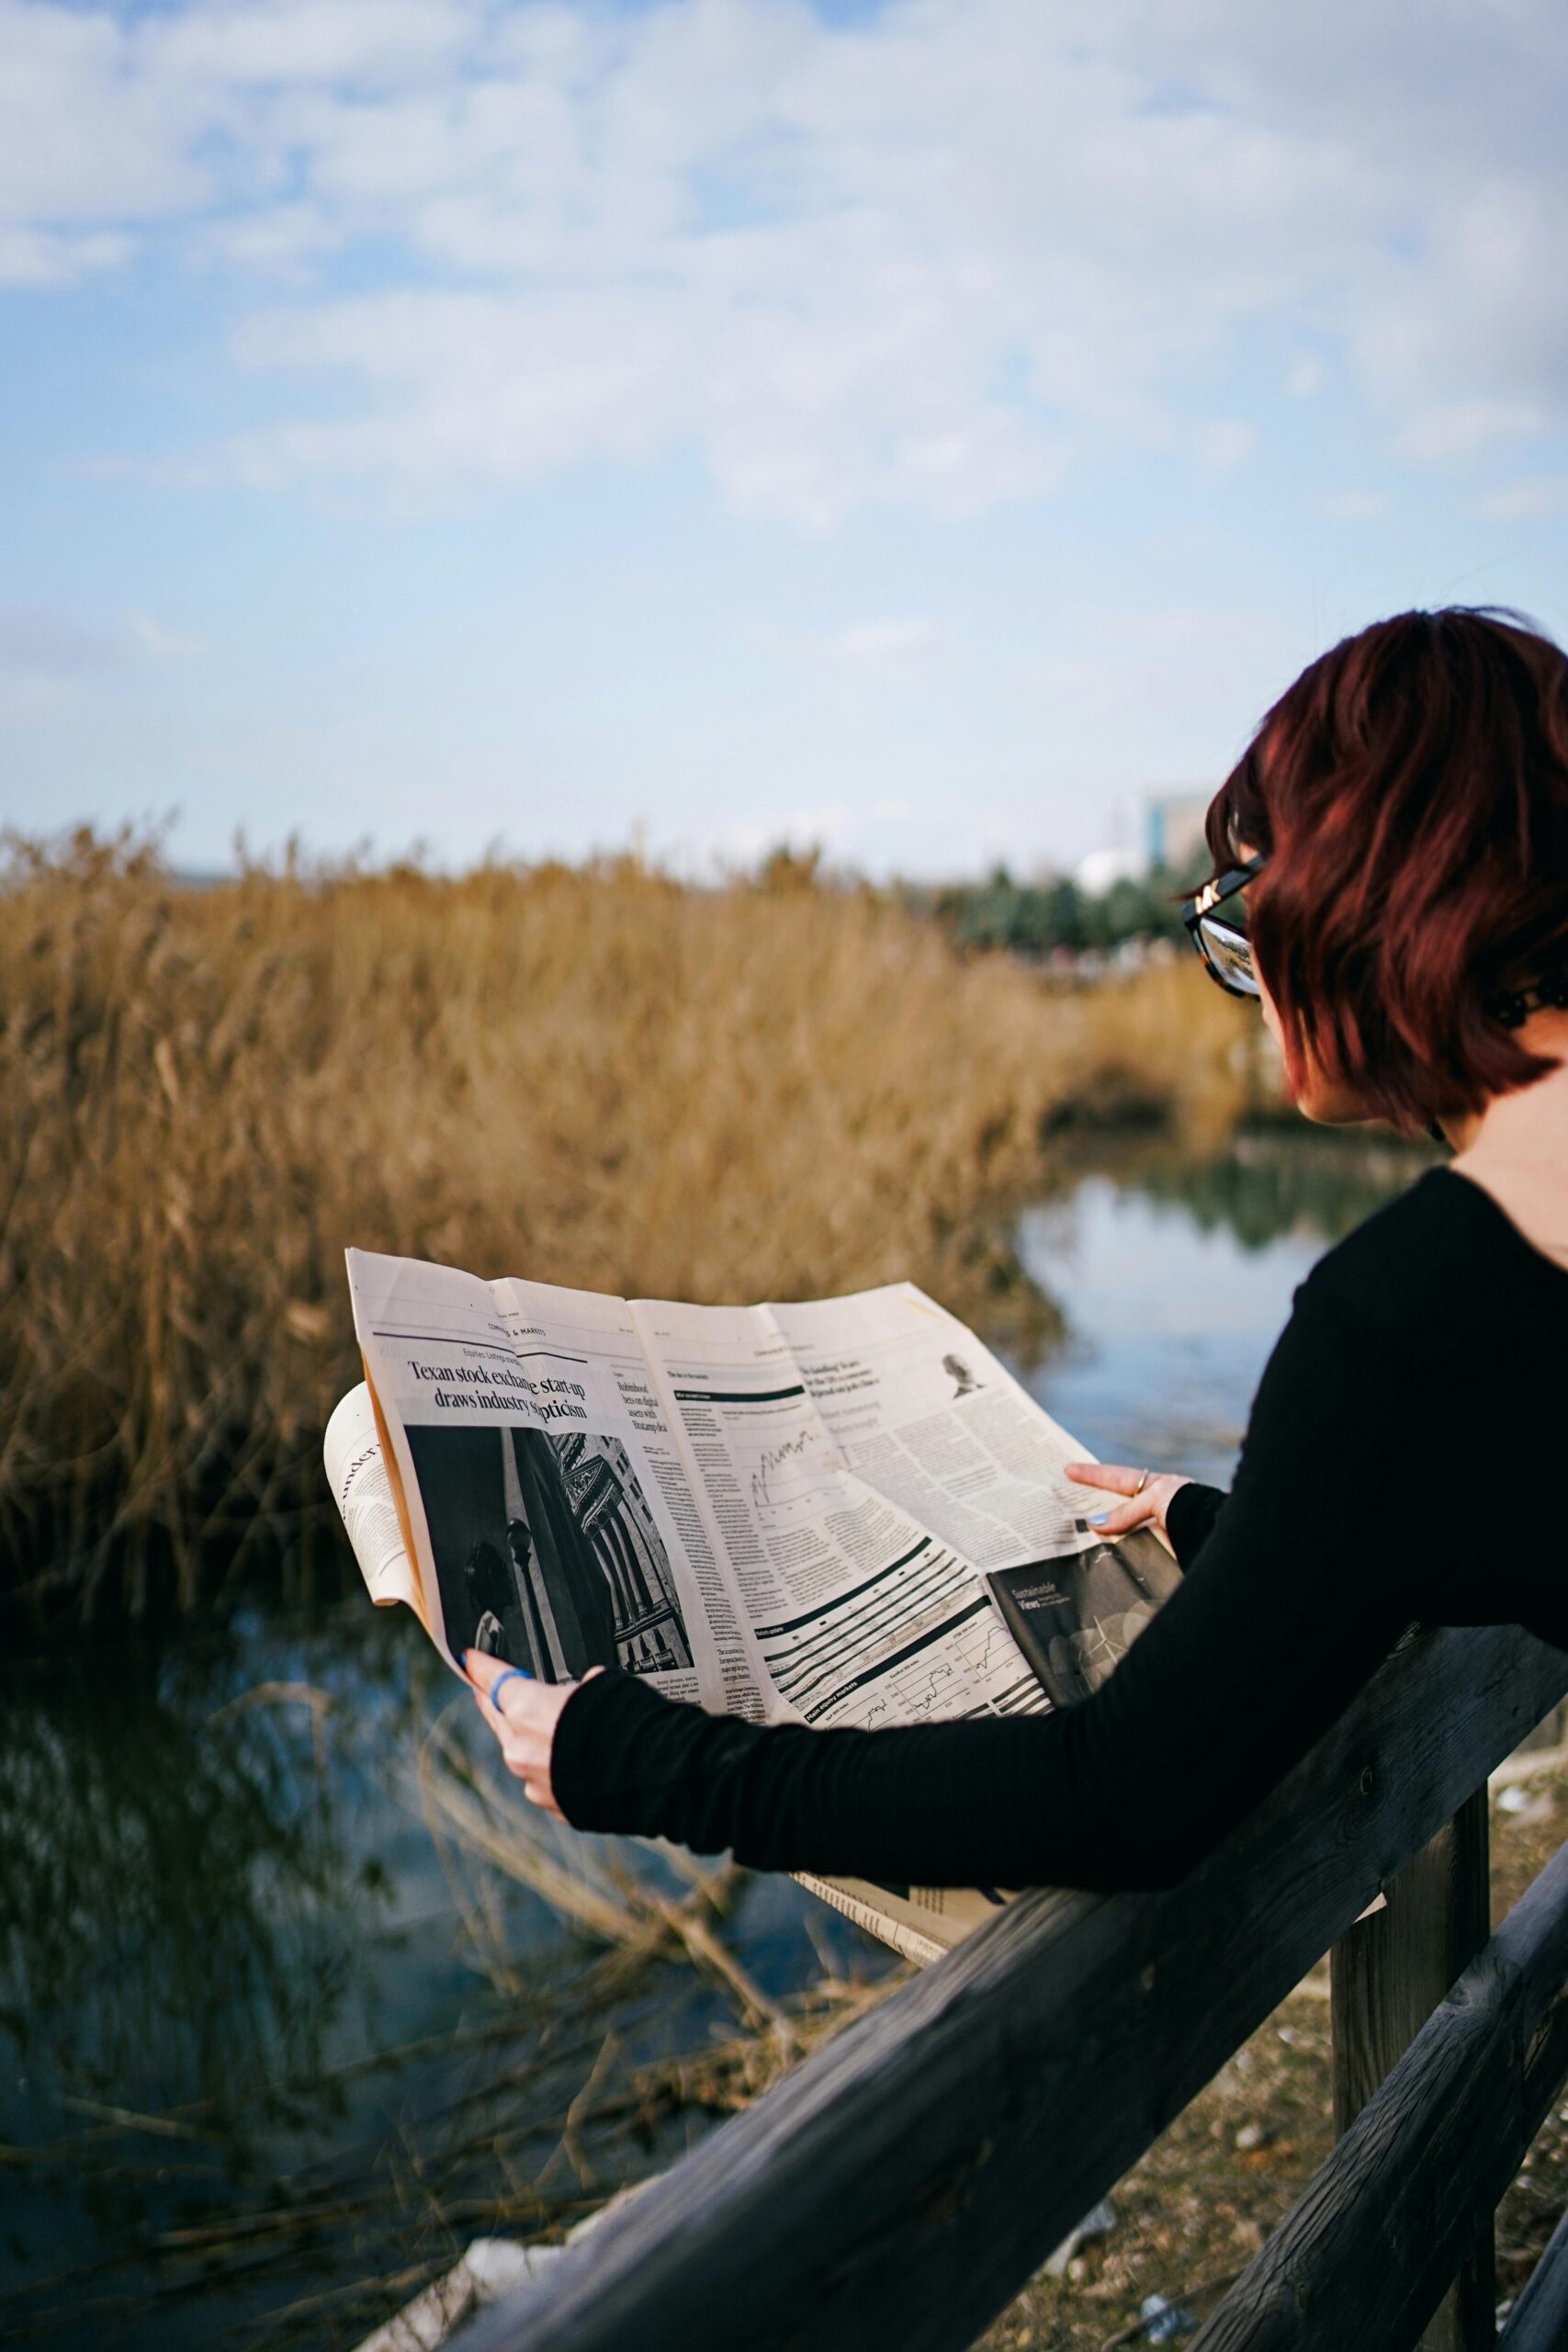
pixel 1398 834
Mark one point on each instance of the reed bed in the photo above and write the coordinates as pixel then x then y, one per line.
pixel 597 1076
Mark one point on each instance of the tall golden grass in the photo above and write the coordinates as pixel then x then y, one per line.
pixel 597 1076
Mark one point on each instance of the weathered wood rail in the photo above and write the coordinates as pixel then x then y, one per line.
pixel 904 2183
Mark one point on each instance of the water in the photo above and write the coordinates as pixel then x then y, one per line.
pixel 240 1977
pixel 1175 1278
pixel 221 1905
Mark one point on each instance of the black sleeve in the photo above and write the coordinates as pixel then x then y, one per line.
pixel 1190 1519
pixel 1305 1580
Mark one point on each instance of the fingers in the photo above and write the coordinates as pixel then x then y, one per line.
pixel 1145 1510
pixel 1125 1517
pixel 484 1672
pixel 524 1739
pixel 485 1676
pixel 522 1721
pixel 1114 1477
pixel 500 1719
pixel 524 1711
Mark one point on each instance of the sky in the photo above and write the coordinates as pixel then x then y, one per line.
pixel 918 429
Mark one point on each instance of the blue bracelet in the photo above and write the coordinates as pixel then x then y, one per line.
pixel 513 1674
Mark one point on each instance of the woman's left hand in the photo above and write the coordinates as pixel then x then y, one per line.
pixel 1145 1495
pixel 524 1723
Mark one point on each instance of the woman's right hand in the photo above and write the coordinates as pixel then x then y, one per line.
pixel 1146 1494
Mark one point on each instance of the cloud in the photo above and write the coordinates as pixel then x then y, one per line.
pixel 1463 428
pixel 1226 444
pixel 1208 659
pixel 1523 501
pixel 946 256
pixel 163 644
pixel 36 257
pixel 1357 505
pixel 1223 628
pixel 894 641
pixel 38 643
pixel 35 643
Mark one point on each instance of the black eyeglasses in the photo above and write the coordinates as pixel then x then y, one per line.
pixel 1225 947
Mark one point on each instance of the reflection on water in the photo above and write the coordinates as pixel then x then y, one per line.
pixel 1176 1278
pixel 220 1906
pixel 256 2027
pixel 1275 1183
pixel 205 1909
pixel 165 1824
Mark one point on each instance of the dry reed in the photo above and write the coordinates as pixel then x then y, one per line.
pixel 598 1076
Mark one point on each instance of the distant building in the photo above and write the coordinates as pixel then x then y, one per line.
pixel 1173 828
pixel 1172 841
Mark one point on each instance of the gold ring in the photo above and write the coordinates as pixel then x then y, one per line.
pixel 1143 1482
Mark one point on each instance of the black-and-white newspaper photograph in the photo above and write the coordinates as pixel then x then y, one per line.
pixel 546 1550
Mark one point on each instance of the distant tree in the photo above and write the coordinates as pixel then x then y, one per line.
pixel 1035 919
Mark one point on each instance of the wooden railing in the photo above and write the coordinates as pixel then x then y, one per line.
pixel 903 2184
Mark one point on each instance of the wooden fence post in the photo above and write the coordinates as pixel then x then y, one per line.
pixel 1388 1973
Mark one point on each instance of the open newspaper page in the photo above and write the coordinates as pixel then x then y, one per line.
pixel 548 1514
pixel 931 1419
pixel 928 1416
pixel 862 1614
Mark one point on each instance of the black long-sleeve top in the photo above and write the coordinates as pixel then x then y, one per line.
pixel 1400 1463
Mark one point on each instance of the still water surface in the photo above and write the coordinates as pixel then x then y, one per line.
pixel 1175 1278
pixel 221 1905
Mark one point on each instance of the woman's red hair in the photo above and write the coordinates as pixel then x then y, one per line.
pixel 1411 790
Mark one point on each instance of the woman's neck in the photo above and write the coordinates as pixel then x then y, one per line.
pixel 1517 1148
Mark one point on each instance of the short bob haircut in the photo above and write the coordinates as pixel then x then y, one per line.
pixel 1411 792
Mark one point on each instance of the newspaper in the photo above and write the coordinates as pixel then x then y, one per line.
pixel 841 1512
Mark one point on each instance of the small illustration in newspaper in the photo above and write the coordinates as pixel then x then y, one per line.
pixel 1076 1616
pixel 545 1551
